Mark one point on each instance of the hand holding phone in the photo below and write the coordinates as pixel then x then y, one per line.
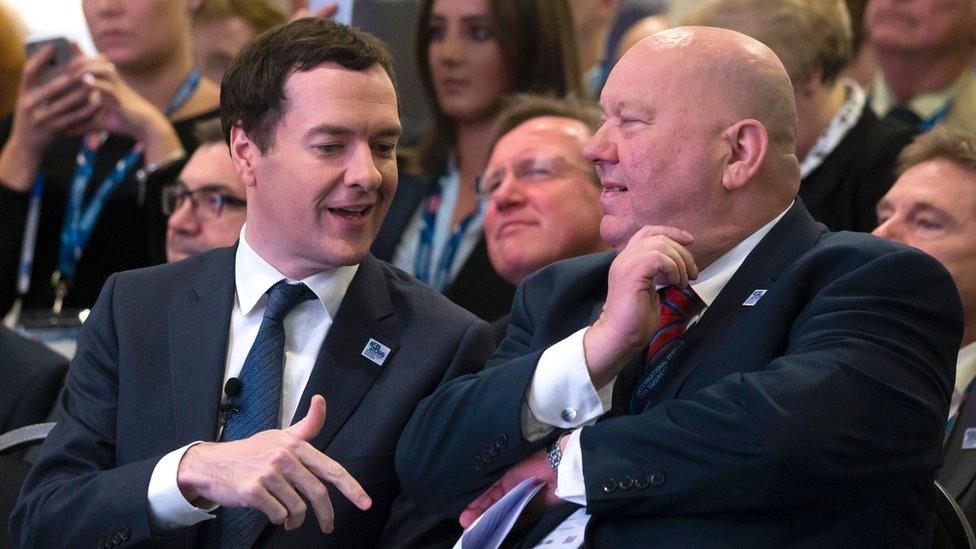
pixel 57 61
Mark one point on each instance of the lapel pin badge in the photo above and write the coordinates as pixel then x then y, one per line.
pixel 376 352
pixel 969 439
pixel 754 298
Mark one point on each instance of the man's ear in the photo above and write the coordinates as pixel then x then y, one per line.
pixel 243 153
pixel 747 142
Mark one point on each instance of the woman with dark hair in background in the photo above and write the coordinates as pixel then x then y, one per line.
pixel 81 139
pixel 471 54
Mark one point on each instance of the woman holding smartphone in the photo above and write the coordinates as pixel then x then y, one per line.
pixel 81 141
pixel 471 54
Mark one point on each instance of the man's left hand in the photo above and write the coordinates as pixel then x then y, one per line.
pixel 536 465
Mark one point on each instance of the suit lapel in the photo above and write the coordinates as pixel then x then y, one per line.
pixel 199 323
pixel 795 233
pixel 959 467
pixel 342 374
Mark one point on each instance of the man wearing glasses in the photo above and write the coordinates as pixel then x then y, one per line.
pixel 205 206
pixel 543 196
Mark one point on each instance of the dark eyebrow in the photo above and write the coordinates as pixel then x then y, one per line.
pixel 339 131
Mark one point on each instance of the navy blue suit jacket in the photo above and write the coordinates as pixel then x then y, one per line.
pixel 813 418
pixel 147 380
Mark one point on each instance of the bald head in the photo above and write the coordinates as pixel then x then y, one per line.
pixel 700 135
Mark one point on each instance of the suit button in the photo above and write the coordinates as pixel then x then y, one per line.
pixel 503 441
pixel 493 450
pixel 486 455
pixel 656 479
pixel 124 533
pixel 116 538
pixel 478 464
pixel 626 484
pixel 568 414
pixel 609 486
pixel 640 482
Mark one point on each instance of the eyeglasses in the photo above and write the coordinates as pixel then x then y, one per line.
pixel 212 201
pixel 531 170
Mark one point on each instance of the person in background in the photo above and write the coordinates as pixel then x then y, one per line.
pixel 847 154
pixel 543 196
pixel 222 27
pixel 84 142
pixel 471 54
pixel 932 207
pixel 206 205
pixel 925 49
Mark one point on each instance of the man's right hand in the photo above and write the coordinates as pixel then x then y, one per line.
pixel 631 313
pixel 268 471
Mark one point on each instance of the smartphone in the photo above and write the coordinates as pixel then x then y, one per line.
pixel 58 62
pixel 343 15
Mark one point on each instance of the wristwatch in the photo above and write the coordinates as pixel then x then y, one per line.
pixel 555 455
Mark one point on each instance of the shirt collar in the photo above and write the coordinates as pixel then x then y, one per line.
pixel 712 279
pixel 965 367
pixel 846 117
pixel 925 105
pixel 253 276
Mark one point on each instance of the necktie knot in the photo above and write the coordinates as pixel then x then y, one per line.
pixel 283 297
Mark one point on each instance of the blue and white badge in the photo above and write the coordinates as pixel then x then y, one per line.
pixel 969 439
pixel 376 352
pixel 754 298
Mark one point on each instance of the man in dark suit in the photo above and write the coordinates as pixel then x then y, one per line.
pixel 145 451
pixel 932 207
pixel 797 379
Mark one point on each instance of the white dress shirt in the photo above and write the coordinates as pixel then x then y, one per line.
pixel 406 251
pixel 305 329
pixel 965 372
pixel 563 396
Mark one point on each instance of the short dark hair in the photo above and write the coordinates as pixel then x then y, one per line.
pixel 523 107
pixel 252 94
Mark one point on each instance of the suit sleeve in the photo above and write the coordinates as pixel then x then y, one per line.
pixel 74 494
pixel 858 399
pixel 465 435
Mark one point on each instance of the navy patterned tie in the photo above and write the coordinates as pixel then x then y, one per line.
pixel 260 399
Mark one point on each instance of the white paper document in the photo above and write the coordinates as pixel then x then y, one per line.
pixel 489 531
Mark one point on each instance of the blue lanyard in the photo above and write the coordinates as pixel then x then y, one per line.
pixel 79 221
pixel 423 261
pixel 939 116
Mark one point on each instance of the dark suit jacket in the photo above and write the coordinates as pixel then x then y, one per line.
pixel 477 287
pixel 843 192
pixel 959 470
pixel 32 375
pixel 813 418
pixel 147 380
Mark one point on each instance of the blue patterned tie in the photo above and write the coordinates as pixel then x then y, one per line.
pixel 260 399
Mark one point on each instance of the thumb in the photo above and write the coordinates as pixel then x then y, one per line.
pixel 312 423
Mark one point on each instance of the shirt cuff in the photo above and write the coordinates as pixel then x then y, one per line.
pixel 168 509
pixel 570 485
pixel 562 394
